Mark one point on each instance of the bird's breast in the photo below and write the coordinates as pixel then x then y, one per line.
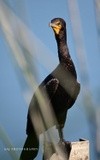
pixel 60 100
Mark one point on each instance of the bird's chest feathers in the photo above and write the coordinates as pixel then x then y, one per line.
pixel 60 99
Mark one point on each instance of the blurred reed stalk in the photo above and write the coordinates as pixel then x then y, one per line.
pixel 87 101
pixel 97 15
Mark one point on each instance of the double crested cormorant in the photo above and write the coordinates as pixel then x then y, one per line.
pixel 61 87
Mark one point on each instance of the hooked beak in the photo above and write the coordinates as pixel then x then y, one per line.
pixel 55 27
pixel 52 25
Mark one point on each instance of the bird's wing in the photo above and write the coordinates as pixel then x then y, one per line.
pixel 51 87
pixel 47 87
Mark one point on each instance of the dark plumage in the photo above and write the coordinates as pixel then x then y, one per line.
pixel 61 87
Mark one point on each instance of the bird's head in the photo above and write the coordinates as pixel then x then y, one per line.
pixel 58 25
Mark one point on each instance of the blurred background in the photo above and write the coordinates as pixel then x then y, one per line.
pixel 28 53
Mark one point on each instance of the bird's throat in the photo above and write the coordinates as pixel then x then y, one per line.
pixel 63 52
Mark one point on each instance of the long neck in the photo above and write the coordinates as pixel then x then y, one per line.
pixel 63 52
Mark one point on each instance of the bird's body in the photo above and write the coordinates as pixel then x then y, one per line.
pixel 61 85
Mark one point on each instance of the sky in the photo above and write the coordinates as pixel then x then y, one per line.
pixel 36 15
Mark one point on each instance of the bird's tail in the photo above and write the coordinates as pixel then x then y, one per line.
pixel 30 148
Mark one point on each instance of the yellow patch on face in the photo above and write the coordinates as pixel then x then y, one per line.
pixel 57 29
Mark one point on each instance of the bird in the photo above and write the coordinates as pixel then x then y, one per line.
pixel 61 88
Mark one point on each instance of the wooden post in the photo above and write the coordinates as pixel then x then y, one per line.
pixel 80 150
pixel 72 151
